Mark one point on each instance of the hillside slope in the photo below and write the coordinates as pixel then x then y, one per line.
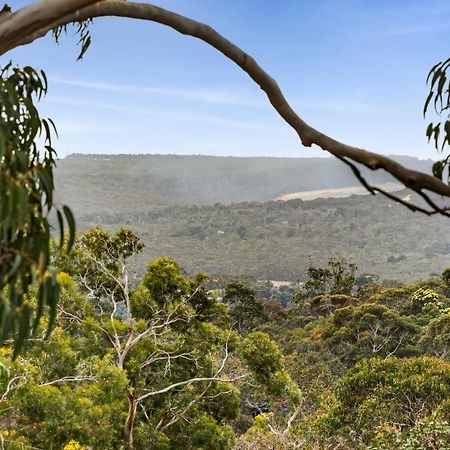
pixel 279 240
pixel 178 205
pixel 127 183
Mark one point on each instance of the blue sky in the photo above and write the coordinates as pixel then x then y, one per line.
pixel 354 69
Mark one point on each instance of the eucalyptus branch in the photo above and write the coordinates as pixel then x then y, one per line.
pixel 76 379
pixel 20 25
pixel 291 419
pixel 216 377
pixel 190 381
pixel 181 414
pixel 12 383
pixel 168 357
pixel 413 207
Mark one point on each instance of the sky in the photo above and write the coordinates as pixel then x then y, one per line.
pixel 354 69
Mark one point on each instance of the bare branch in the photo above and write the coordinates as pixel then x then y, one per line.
pixel 181 413
pixel 190 381
pixel 215 377
pixel 374 189
pixel 13 382
pixel 291 419
pixel 74 318
pixel 78 378
pixel 225 359
pixel 400 341
pixel 168 357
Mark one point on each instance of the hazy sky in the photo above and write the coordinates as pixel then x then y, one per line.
pixel 355 69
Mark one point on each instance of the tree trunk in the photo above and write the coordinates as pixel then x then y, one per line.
pixel 129 424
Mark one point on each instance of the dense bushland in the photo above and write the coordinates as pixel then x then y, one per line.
pixel 165 361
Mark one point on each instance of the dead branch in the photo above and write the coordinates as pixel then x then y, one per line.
pixel 190 381
pixel 75 379
pixel 13 382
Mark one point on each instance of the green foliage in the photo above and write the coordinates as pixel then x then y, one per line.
pixel 426 304
pixel 205 433
pixel 99 259
pixel 73 445
pixel 175 330
pixel 82 29
pixel 123 244
pixel 164 280
pixel 439 98
pixel 375 391
pixel 324 305
pixel 260 436
pixel 246 310
pixel 365 331
pixel 446 276
pixel 26 192
pixel 158 337
pixel 422 298
pixel 436 338
pixel 49 415
pixel 337 278
pixel 429 433
pixel 400 297
pixel 393 297
pixel 262 355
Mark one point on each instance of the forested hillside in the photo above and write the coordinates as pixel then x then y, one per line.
pixel 279 240
pixel 164 361
pixel 164 199
pixel 135 183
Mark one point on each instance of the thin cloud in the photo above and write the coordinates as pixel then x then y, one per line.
pixel 172 115
pixel 211 96
pixel 413 29
pixel 337 105
pixel 222 97
pixel 69 126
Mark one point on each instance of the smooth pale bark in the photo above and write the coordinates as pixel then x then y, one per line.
pixel 15 27
pixel 308 135
pixel 131 417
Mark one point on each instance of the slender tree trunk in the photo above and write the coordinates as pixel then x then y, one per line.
pixel 129 424
pixel 123 354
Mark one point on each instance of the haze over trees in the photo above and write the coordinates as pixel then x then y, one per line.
pixel 272 240
pixel 144 182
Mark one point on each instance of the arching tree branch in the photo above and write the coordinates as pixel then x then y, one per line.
pixel 308 135
pixel 374 189
pixel 17 27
